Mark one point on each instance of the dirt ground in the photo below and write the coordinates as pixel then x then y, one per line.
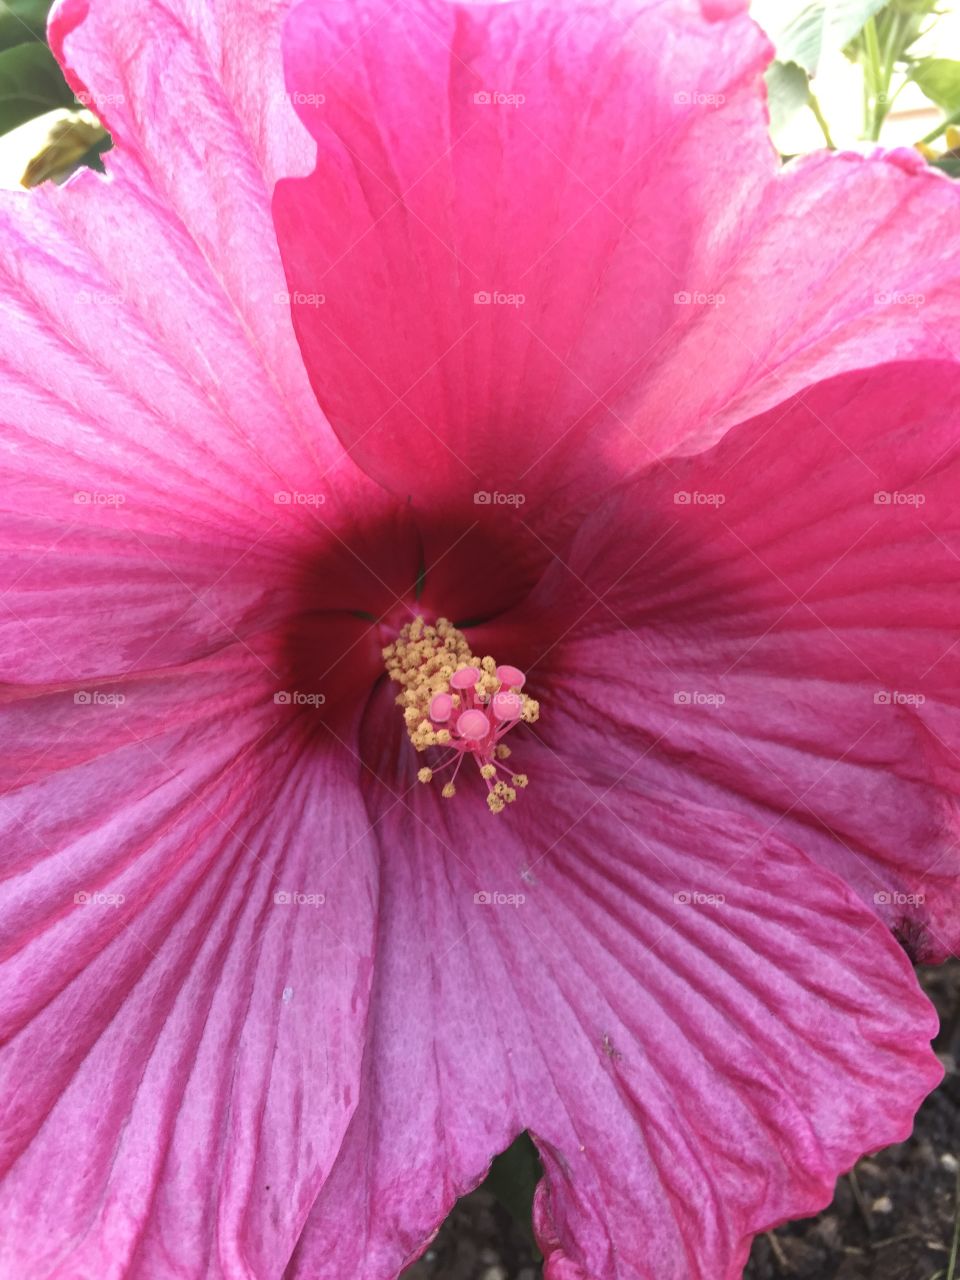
pixel 893 1218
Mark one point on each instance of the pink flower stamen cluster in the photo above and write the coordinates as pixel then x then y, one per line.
pixel 452 699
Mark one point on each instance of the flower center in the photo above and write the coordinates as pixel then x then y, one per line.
pixel 453 700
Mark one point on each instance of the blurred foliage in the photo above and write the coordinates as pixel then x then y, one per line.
pixel 32 85
pixel 879 36
pixel 801 33
pixel 31 82
pixel 22 21
pixel 513 1179
pixel 939 78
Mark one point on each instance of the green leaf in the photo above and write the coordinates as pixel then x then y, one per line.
pixel 31 83
pixel 513 1179
pixel 939 78
pixel 788 91
pixel 22 20
pixel 803 32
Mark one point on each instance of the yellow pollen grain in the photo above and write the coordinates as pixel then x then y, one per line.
pixel 425 775
pixel 488 771
pixel 421 661
pixel 449 791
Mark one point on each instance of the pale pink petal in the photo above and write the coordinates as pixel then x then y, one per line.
pixel 692 1072
pixel 772 626
pixel 426 199
pixel 841 268
pixel 181 1049
pixel 166 482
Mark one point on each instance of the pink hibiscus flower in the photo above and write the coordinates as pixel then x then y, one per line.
pixel 575 368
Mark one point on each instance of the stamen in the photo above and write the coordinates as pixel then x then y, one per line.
pixel 451 698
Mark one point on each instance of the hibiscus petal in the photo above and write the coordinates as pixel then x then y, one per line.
pixel 774 625
pixel 692 1072
pixel 200 1039
pixel 841 268
pixel 490 266
pixel 655 312
pixel 165 478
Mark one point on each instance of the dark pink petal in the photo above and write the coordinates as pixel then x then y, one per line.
pixel 167 478
pixel 181 1051
pixel 773 626
pixel 656 311
pixel 693 1072
pixel 426 200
